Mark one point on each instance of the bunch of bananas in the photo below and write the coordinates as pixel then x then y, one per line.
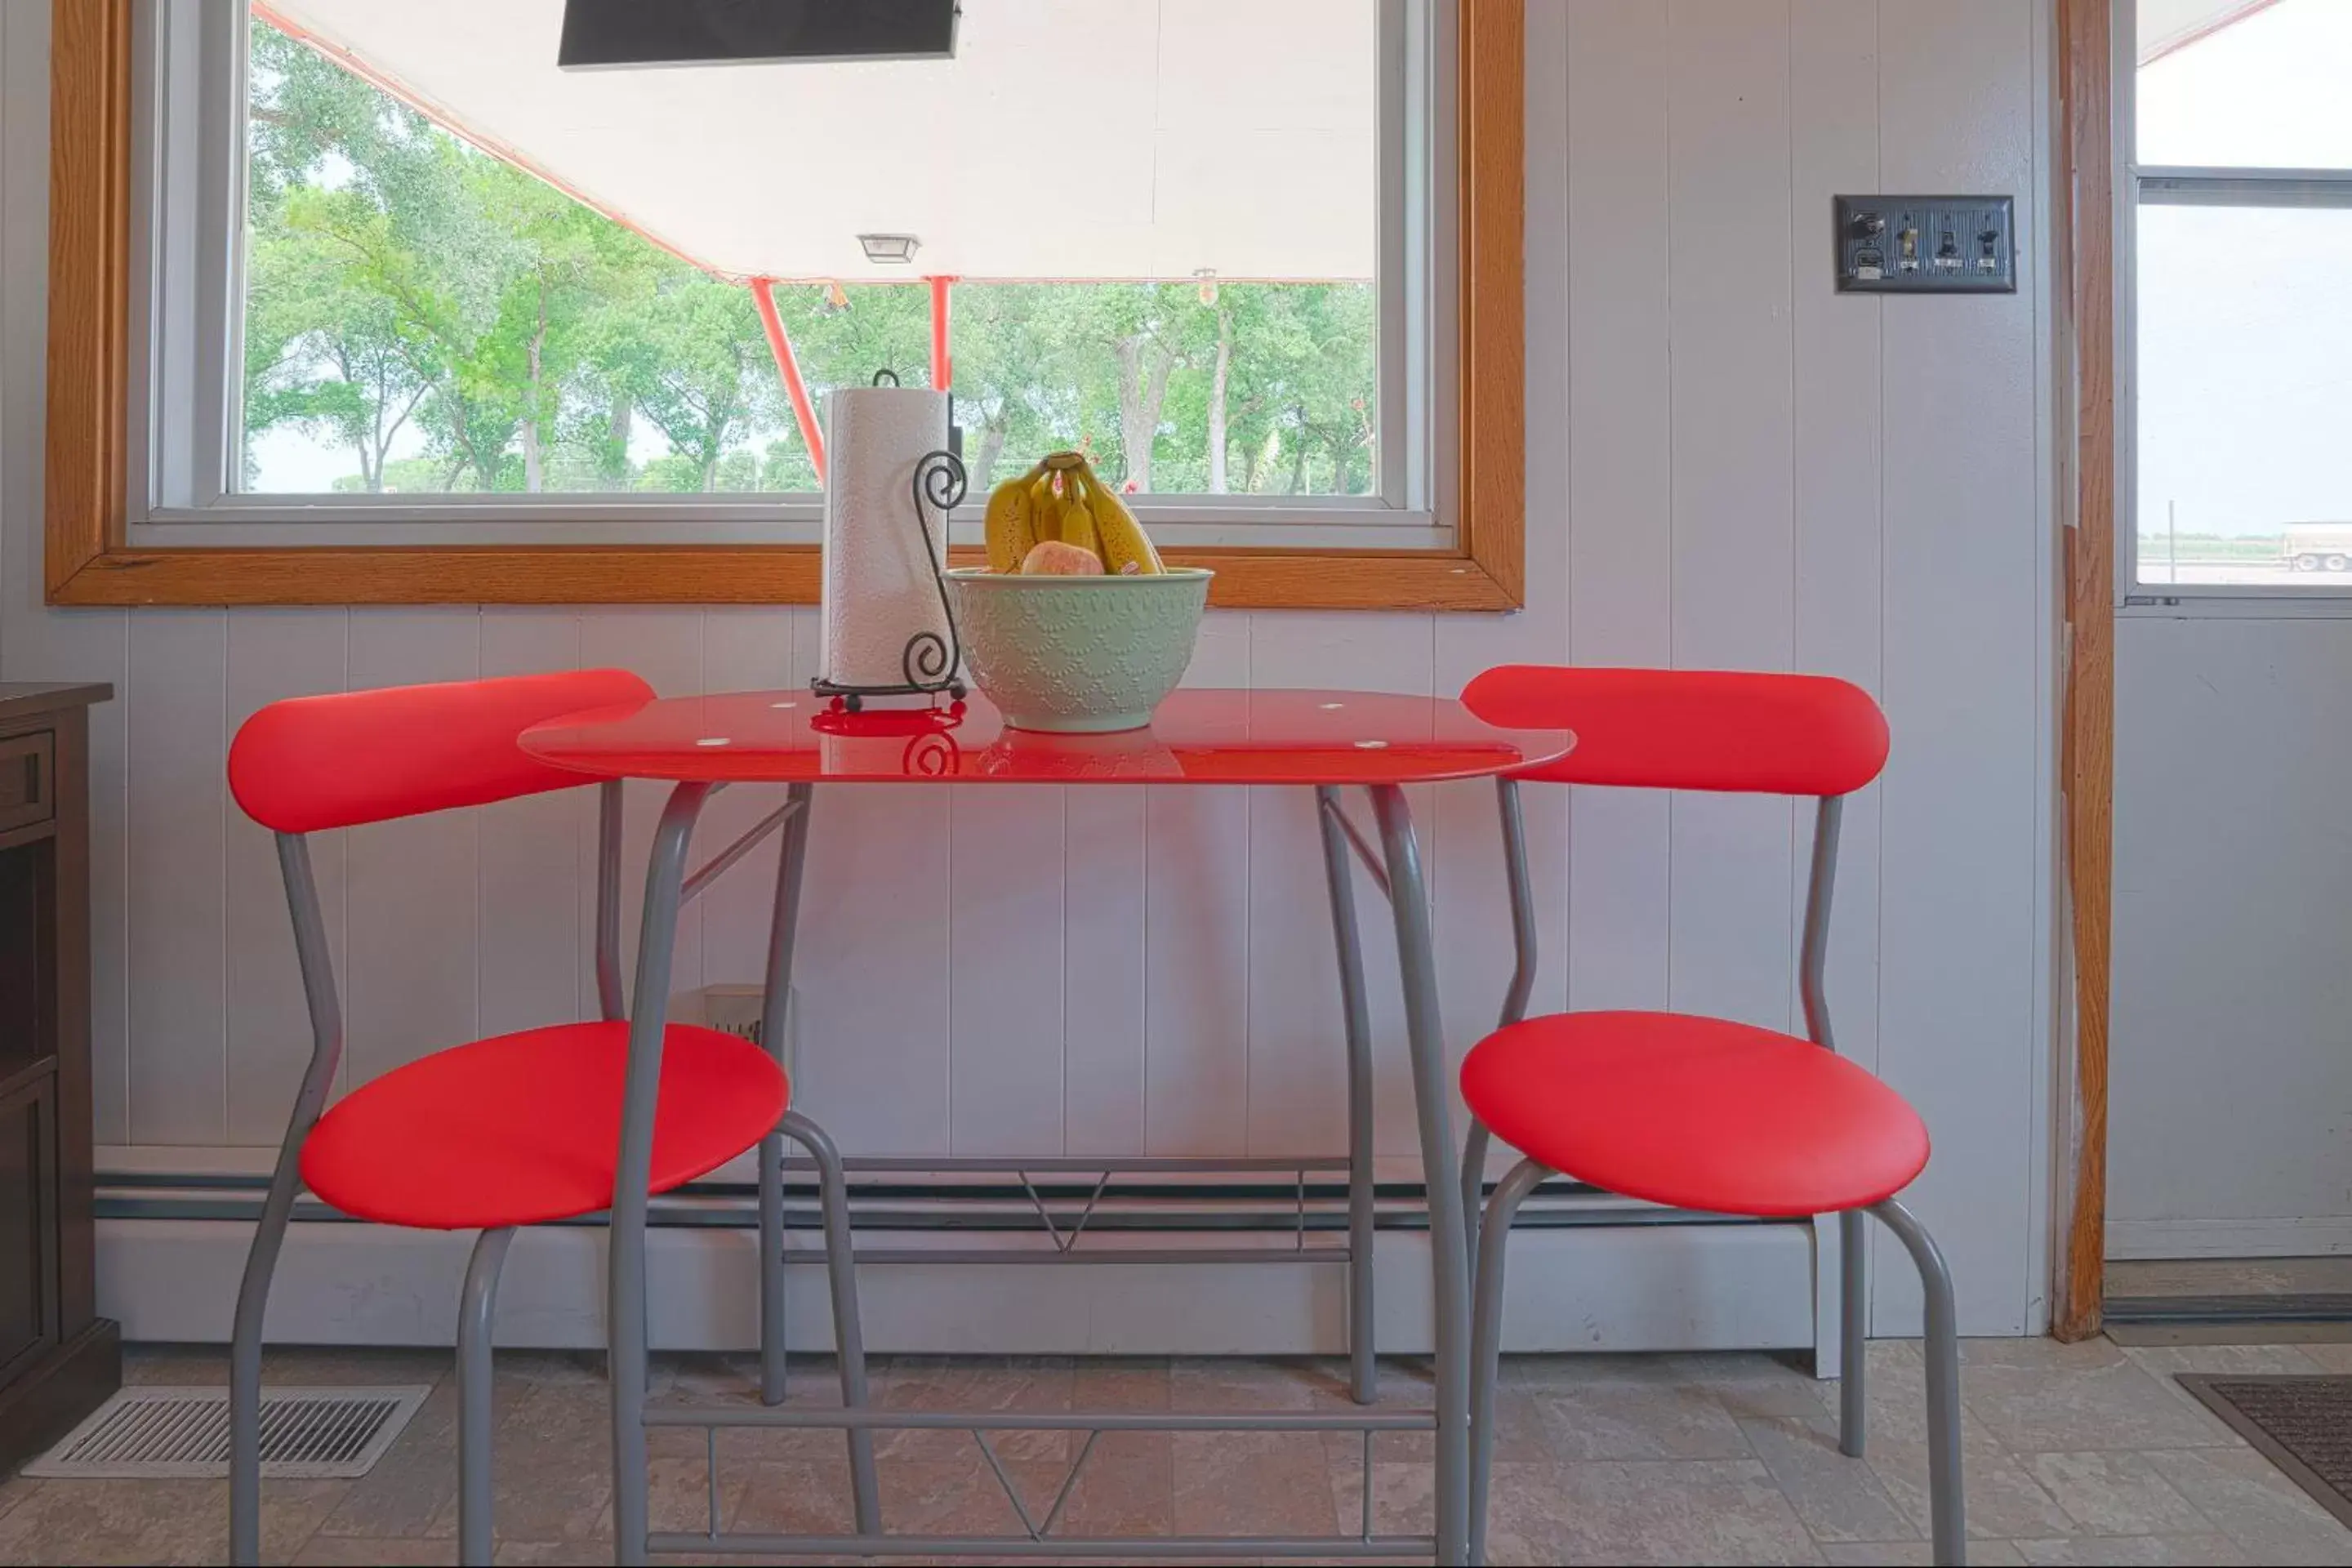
pixel 1060 501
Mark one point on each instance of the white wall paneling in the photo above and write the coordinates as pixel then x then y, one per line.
pixel 1968 624
pixel 1726 465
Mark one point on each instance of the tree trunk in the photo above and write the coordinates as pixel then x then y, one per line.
pixel 1299 464
pixel 534 476
pixel 992 448
pixel 620 427
pixel 1142 393
pixel 1217 383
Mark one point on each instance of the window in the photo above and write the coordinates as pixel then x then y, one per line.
pixel 347 305
pixel 397 280
pixel 2240 322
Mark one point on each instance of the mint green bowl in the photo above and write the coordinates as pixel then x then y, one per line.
pixel 1078 656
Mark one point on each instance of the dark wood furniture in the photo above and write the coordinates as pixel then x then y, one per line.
pixel 58 1359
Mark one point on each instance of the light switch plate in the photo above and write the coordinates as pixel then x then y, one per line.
pixel 1926 245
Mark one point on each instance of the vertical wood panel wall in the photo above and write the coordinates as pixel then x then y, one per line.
pixel 1727 466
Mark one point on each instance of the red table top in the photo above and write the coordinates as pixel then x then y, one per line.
pixel 1196 737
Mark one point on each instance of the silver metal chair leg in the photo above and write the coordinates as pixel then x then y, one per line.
pixel 1947 1497
pixel 1363 1375
pixel 625 1314
pixel 285 1179
pixel 1487 1337
pixel 1474 1181
pixel 245 1360
pixel 477 1380
pixel 1853 1331
pixel 773 1366
pixel 848 1337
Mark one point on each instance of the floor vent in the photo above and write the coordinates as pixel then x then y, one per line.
pixel 165 1433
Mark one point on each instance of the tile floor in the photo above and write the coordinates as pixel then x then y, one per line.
pixel 2085 1454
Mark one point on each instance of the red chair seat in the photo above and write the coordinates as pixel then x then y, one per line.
pixel 1699 1113
pixel 525 1128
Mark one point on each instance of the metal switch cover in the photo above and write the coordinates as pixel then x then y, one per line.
pixel 1926 245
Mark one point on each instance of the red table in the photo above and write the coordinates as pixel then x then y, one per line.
pixel 1326 741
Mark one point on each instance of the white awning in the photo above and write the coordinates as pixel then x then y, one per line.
pixel 2166 26
pixel 1111 139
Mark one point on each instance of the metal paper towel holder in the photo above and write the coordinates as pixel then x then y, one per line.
pixel 930 663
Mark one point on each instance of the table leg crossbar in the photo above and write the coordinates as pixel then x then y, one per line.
pixel 1038 1537
pixel 1395 871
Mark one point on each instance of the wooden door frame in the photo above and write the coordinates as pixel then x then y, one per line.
pixel 2084 203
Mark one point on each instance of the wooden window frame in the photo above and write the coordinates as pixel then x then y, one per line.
pixel 90 562
pixel 2086 197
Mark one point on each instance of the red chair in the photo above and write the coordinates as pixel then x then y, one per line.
pixel 1697 1112
pixel 522 1129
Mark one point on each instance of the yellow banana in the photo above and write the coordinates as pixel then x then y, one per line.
pixel 1012 530
pixel 1078 518
pixel 1045 509
pixel 1120 541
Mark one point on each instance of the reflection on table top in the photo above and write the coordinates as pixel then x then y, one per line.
pixel 1198 736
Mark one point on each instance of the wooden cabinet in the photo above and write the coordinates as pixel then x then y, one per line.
pixel 57 1358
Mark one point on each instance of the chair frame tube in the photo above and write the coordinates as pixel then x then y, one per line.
pixel 1491 1235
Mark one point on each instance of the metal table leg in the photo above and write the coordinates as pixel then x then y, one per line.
pixel 783 925
pixel 1363 1375
pixel 624 1320
pixel 1449 1254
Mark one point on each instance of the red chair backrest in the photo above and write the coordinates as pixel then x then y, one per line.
pixel 1692 728
pixel 312 763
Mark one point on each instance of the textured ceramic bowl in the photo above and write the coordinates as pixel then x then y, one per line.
pixel 1078 655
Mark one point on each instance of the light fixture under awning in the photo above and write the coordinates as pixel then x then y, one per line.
pixel 1068 139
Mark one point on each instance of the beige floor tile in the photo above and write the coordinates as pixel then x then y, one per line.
pixel 2002 1500
pixel 1839 1498
pixel 792 1497
pixel 2329 1358
pixel 2037 1355
pixel 1981 1553
pixel 1121 1382
pixel 551 1459
pixel 1018 1384
pixel 1404 1494
pixel 1126 1487
pixel 2116 1494
pixel 1754 1387
pixel 1581 1368
pixel 1201 1383
pixel 2162 1362
pixel 392 1551
pixel 2158 1482
pixel 1638 1421
pixel 1701 1510
pixel 2134 1549
pixel 2118 1405
pixel 162 1522
pixel 1258 1483
pixel 2259 1509
pixel 945 1497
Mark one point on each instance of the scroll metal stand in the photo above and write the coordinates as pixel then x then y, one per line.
pixel 930 662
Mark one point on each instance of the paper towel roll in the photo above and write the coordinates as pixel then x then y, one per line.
pixel 879 587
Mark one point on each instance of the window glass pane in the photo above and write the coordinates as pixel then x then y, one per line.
pixel 1240 388
pixel 2245 395
pixel 2245 83
pixel 424 313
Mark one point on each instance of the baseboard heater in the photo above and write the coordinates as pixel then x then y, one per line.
pixel 1056 1200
